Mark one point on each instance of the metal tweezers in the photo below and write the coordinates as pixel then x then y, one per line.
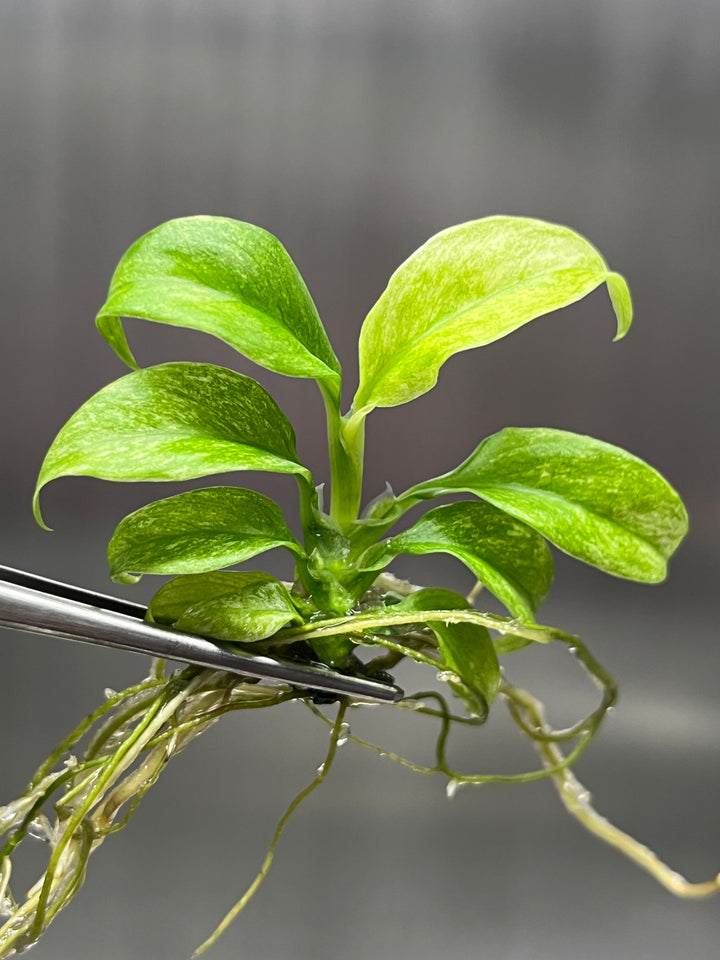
pixel 37 605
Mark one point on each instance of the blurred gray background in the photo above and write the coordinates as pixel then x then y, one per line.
pixel 354 131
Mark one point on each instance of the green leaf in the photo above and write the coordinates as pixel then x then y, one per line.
pixel 227 278
pixel 593 500
pixel 466 648
pixel 173 422
pixel 196 532
pixel 466 287
pixel 510 559
pixel 229 606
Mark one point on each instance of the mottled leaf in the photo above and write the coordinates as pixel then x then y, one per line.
pixel 466 648
pixel 593 500
pixel 466 287
pixel 511 560
pixel 228 278
pixel 173 422
pixel 227 605
pixel 196 532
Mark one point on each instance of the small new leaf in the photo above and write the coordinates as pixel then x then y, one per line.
pixel 466 648
pixel 228 278
pixel 196 532
pixel 511 559
pixel 466 287
pixel 229 606
pixel 175 421
pixel 591 499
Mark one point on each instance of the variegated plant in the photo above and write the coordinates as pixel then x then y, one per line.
pixel 466 287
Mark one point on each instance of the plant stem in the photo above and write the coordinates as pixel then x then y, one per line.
pixel 355 623
pixel 346 448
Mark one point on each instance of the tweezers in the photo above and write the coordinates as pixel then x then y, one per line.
pixel 38 605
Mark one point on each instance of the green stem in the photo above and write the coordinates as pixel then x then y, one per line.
pixel 308 506
pixel 346 446
pixel 355 623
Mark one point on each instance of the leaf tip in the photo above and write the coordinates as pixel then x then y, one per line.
pixel 622 303
pixel 111 330
pixel 121 576
pixel 37 513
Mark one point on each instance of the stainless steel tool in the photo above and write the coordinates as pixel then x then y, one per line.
pixel 38 605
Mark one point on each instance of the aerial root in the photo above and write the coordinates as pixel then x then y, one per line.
pixel 577 800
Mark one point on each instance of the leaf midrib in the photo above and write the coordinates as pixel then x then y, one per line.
pixel 203 534
pixel 458 554
pixel 536 491
pixel 222 295
pixel 451 317
pixel 189 433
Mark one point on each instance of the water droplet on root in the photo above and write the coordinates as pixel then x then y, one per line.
pixel 447 676
pixel 452 788
pixel 40 829
pixel 416 705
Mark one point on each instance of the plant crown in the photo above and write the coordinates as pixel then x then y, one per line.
pixel 466 287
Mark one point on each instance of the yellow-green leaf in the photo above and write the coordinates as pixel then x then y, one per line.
pixel 230 606
pixel 591 499
pixel 231 279
pixel 466 287
pixel 197 531
pixel 511 559
pixel 175 421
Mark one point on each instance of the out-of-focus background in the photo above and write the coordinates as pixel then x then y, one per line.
pixel 354 131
